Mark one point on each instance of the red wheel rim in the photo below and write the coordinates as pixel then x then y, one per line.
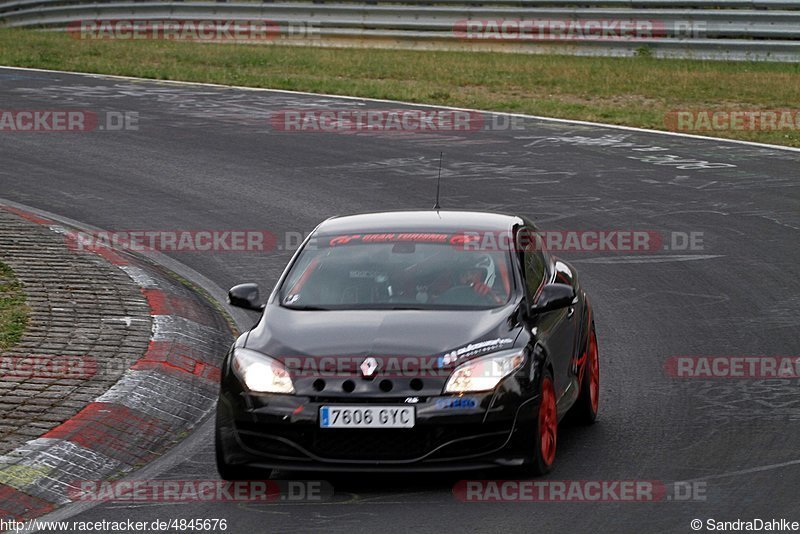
pixel 548 422
pixel 594 373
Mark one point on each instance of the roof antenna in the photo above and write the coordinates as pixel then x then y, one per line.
pixel 438 181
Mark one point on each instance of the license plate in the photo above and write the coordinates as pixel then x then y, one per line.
pixel 366 417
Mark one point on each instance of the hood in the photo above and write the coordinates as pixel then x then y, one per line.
pixel 285 332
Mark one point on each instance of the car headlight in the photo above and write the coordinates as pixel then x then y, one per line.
pixel 260 373
pixel 484 373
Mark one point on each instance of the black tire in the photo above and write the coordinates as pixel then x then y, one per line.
pixel 587 406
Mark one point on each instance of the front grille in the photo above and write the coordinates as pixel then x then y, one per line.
pixel 374 444
pixel 371 444
pixel 270 446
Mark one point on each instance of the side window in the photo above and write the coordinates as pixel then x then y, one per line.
pixel 533 261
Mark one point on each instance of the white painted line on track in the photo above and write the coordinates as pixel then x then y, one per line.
pixel 615 260
pixel 404 103
pixel 748 471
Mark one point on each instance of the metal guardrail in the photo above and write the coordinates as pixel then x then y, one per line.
pixel 727 29
pixel 671 4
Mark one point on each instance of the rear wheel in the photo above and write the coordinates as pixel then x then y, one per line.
pixel 545 431
pixel 588 403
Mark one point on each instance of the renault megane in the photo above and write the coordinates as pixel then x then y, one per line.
pixel 427 340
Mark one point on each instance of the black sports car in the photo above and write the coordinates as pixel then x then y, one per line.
pixel 426 340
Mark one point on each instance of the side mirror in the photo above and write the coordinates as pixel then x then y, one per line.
pixel 553 297
pixel 245 296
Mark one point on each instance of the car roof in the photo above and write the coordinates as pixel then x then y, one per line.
pixel 419 221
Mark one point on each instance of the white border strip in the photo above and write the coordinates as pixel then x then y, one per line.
pixel 402 102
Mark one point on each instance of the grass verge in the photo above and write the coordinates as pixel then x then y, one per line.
pixel 13 312
pixel 637 91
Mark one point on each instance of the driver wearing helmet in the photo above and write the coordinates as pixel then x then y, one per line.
pixel 480 276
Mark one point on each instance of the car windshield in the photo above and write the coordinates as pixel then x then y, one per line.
pixel 395 271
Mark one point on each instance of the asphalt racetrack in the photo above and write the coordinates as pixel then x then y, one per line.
pixel 209 158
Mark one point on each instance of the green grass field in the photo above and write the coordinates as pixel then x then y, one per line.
pixel 635 91
pixel 13 312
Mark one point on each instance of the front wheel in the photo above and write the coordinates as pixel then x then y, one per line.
pixel 545 429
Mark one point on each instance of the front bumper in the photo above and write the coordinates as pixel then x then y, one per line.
pixel 450 433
